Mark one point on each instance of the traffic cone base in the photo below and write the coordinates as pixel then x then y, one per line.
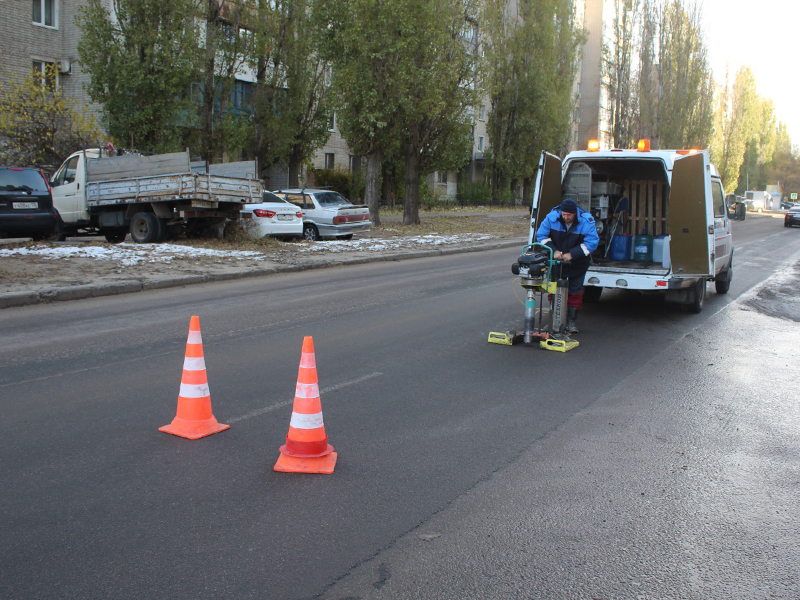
pixel 194 430
pixel 295 464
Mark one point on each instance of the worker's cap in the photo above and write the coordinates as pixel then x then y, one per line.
pixel 569 206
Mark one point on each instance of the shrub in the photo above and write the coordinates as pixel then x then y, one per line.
pixel 350 185
pixel 477 193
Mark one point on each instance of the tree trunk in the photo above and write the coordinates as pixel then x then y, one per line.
pixel 207 135
pixel 373 185
pixel 411 204
pixel 294 170
pixel 389 192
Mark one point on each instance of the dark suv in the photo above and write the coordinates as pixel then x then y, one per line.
pixel 26 204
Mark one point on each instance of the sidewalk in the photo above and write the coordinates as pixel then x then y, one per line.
pixel 680 483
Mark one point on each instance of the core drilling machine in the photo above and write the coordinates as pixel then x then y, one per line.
pixel 538 274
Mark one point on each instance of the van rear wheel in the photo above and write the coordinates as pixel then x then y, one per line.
pixel 699 296
pixel 723 283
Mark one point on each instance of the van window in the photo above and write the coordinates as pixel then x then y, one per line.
pixel 719 199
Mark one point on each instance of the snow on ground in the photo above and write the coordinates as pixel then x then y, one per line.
pixel 134 254
pixel 381 245
pixel 130 254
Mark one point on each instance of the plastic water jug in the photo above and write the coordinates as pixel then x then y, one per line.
pixel 643 247
pixel 620 247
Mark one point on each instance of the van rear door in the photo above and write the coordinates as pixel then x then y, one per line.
pixel 547 193
pixel 690 216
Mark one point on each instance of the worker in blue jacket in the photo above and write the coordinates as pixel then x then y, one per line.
pixel 571 233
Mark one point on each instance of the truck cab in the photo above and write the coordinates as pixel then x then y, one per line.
pixel 675 196
pixel 69 188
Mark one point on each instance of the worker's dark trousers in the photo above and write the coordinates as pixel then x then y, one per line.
pixel 575 291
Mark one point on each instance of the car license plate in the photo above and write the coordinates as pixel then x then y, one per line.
pixel 23 205
pixel 285 217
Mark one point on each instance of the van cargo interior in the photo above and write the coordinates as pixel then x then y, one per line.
pixel 604 186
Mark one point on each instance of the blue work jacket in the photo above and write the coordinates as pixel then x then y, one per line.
pixel 580 240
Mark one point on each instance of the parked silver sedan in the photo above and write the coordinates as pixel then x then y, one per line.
pixel 328 214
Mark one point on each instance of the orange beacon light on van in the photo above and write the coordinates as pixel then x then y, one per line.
pixel 593 146
pixel 643 146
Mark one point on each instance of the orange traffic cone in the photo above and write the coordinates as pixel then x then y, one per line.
pixel 307 449
pixel 194 419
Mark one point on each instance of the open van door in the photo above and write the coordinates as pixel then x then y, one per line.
pixel 690 217
pixel 547 193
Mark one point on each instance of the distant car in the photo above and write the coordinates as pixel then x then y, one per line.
pixel 328 214
pixel 26 204
pixel 274 217
pixel 755 205
pixel 792 217
pixel 786 205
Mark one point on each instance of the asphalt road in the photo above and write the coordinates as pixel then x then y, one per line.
pixel 97 503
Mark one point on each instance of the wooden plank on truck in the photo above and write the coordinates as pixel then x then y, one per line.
pixel 129 166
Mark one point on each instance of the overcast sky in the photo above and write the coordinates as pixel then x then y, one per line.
pixel 764 35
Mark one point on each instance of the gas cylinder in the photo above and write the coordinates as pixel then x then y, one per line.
pixel 643 247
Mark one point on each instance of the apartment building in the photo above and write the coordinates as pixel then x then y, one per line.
pixel 41 33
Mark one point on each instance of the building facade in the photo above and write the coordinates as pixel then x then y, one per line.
pixel 41 33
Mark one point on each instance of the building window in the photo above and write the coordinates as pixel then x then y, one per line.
pixel 45 12
pixel 332 122
pixel 482 116
pixel 441 177
pixel 480 143
pixel 329 160
pixel 242 95
pixel 48 73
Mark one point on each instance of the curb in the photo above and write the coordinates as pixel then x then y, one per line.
pixel 80 292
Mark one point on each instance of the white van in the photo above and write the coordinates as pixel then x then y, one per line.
pixel 675 195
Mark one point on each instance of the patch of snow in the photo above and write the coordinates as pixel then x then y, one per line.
pixel 131 254
pixel 398 243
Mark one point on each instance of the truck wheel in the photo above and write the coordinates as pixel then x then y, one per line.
pixel 699 296
pixel 310 233
pixel 592 293
pixel 146 228
pixel 115 235
pixel 723 283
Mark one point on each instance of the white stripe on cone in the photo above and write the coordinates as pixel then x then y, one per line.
pixel 308 361
pixel 194 337
pixel 194 363
pixel 302 421
pixel 306 390
pixel 190 390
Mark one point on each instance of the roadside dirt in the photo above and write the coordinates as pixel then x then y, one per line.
pixel 32 266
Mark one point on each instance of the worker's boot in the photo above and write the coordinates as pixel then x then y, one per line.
pixel 572 315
